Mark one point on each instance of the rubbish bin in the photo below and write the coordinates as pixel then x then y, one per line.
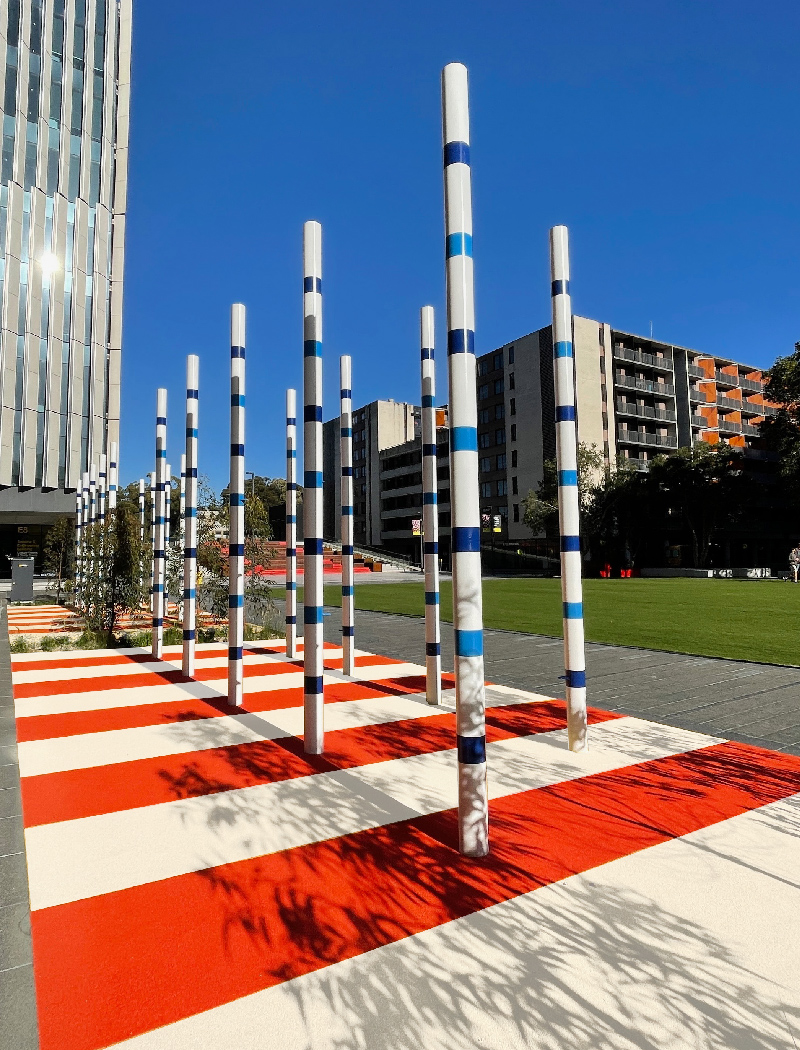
pixel 21 579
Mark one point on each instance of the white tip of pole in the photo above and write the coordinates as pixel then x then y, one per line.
pixel 192 371
pixel 345 371
pixel 237 324
pixel 455 102
pixel 291 403
pixel 161 401
pixel 559 253
pixel 426 327
pixel 312 249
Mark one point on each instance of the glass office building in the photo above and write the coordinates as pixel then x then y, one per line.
pixel 64 98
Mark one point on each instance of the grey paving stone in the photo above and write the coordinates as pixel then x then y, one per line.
pixel 18 1024
pixel 13 880
pixel 12 839
pixel 10 802
pixel 9 775
pixel 15 935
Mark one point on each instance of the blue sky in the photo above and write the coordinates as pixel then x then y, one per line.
pixel 664 135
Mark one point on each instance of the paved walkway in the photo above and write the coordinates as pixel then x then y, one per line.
pixel 753 703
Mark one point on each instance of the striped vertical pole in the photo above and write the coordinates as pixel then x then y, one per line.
pixel 78 544
pixel 152 533
pixel 183 498
pixel 167 532
pixel 102 483
pixel 291 524
pixel 236 511
pixel 85 536
pixel 473 815
pixel 346 448
pixel 568 503
pixel 430 511
pixel 113 477
pixel 160 515
pixel 141 510
pixel 190 517
pixel 313 697
pixel 92 494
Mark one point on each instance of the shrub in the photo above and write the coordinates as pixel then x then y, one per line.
pixel 21 645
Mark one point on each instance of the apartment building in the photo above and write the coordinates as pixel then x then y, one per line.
pixel 401 493
pixel 376 427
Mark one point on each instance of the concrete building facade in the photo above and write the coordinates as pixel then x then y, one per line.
pixel 65 71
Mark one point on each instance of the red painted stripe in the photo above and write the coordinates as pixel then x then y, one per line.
pixel 75 723
pixel 54 797
pixel 112 967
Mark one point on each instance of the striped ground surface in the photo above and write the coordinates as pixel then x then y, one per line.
pixel 44 619
pixel 198 882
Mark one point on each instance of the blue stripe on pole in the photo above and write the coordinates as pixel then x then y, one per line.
pixel 292 486
pixel 347 548
pixel 562 349
pixel 235 601
pixel 570 543
pixel 312 614
pixel 161 453
pixel 346 432
pixel 189 593
pixel 237 351
pixel 191 432
pixel 237 400
pixel 345 393
pixel 312 348
pixel 431 597
pixel 194 394
pixel 428 450
pixel 568 477
pixel 469 643
pixel 236 550
pixel 237 450
pixel 559 288
pixel 191 512
pixel 347 590
pixel 565 414
pixel 235 652
pixel 312 284
pixel 291 519
pixel 429 498
pixel 236 499
pixel 190 552
pixel 347 472
pixel 349 632
pixel 312 414
pixel 188 634
pixel 291 453
pixel 427 401
pixel 458 244
pixel 573 610
pixel 464 439
pixel 426 354
pixel 456 153
pixel 160 421
pixel 471 750
pixel 312 546
pixel 291 552
pixel 576 679
pixel 291 619
pixel 312 684
pixel 433 649
pixel 461 341
pixel 312 479
pixel 347 511
pixel 191 472
pixel 466 539
pixel 157 622
pixel 291 421
pixel 431 548
pixel 291 586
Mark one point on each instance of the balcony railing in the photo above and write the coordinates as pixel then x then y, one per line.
pixel 729 428
pixel 769 410
pixel 729 402
pixel 750 431
pixel 699 398
pixel 752 386
pixel 630 383
pixel 641 358
pixel 725 379
pixel 700 421
pixel 625 408
pixel 637 464
pixel 697 373
pixel 749 409
pixel 638 437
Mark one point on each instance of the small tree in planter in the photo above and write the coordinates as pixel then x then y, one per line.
pixel 112 585
pixel 58 556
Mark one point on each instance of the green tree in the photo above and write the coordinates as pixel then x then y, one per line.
pixel 111 569
pixel 59 553
pixel 540 508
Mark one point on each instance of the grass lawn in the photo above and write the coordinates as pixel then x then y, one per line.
pixel 740 619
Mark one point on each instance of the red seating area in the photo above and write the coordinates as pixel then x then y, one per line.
pixel 331 561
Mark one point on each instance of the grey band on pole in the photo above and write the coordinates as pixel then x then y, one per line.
pixel 473 814
pixel 313 709
pixel 236 512
pixel 568 498
pixel 160 515
pixel 113 477
pixel 346 455
pixel 430 510
pixel 291 524
pixel 190 518
pixel 102 483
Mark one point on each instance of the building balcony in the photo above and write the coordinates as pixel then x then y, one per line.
pixel 646 385
pixel 729 402
pixel 769 410
pixel 749 409
pixel 700 421
pixel 637 464
pixel 699 398
pixel 697 373
pixel 645 411
pixel 639 357
pixel 729 428
pixel 639 437
pixel 724 379
pixel 750 431
pixel 752 386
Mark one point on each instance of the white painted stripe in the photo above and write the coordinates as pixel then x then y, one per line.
pixel 620 956
pixel 83 858
pixel 38 757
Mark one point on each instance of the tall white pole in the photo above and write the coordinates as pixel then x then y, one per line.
pixel 78 544
pixel 473 813
pixel 182 511
pixel 113 477
pixel 236 511
pixel 152 533
pixel 568 502
pixel 160 516
pixel 346 450
pixel 313 698
pixel 190 516
pixel 102 482
pixel 168 505
pixel 85 535
pixel 291 524
pixel 141 510
pixel 430 510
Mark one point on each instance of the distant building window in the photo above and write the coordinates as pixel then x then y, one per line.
pixel 486 489
pixel 502 487
pixel 500 436
pixel 503 511
pixel 483 415
pixel 483 392
pixel 501 461
pixel 499 386
pixel 515 508
pixel 484 440
pixel 511 355
pixel 511 385
pixel 483 367
pixel 498 360
pixel 514 458
pixel 499 411
pixel 513 431
pixel 513 406
pixel 485 465
pixel 514 490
